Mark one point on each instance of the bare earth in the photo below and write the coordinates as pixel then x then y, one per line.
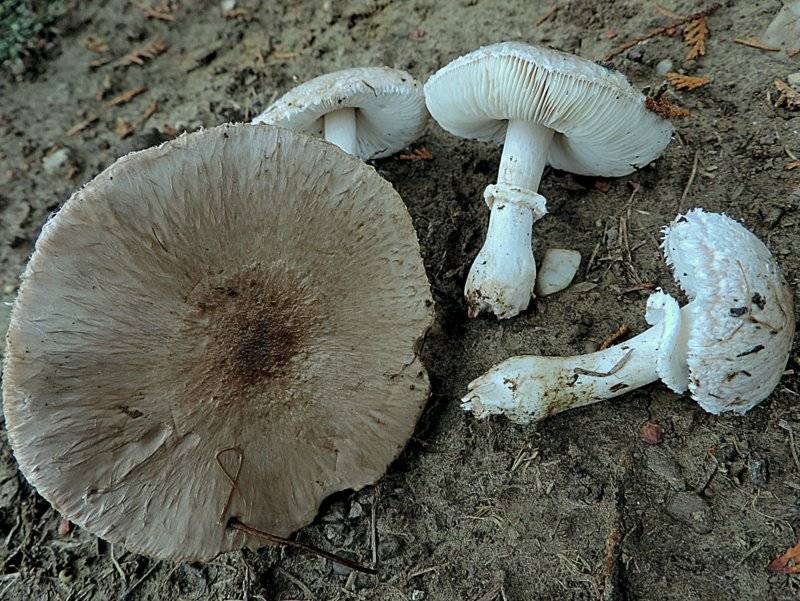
pixel 578 508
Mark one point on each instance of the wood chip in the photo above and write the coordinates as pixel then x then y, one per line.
pixel 126 96
pixel 99 62
pixel 789 97
pixel 147 52
pixel 792 165
pixel 420 154
pixel 687 82
pixel 79 127
pixel 96 45
pixel 756 44
pixel 163 12
pixel 665 108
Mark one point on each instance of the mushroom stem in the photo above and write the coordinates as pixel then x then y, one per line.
pixel 340 129
pixel 530 388
pixel 503 274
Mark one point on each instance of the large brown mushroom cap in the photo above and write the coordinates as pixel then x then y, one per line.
pixel 245 294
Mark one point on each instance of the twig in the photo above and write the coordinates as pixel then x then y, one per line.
pixel 235 524
pixel 616 335
pixel 690 182
pixel 661 31
pixel 785 426
pixel 117 566
pixel 756 44
pixel 546 16
pixel 136 584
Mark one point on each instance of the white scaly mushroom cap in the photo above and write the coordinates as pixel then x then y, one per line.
pixel 741 315
pixel 244 295
pixel 601 123
pixel 391 108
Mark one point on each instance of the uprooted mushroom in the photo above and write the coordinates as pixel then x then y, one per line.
pixel 728 346
pixel 545 107
pixel 214 335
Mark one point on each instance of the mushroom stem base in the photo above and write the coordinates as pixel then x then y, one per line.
pixel 502 276
pixel 530 388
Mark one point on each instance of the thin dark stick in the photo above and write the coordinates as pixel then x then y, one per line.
pixel 235 524
pixel 661 30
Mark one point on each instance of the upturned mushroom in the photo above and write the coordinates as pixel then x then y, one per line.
pixel 214 335
pixel 370 112
pixel 728 346
pixel 545 107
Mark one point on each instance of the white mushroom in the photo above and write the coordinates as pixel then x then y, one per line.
pixel 546 107
pixel 214 335
pixel 559 267
pixel 370 112
pixel 728 345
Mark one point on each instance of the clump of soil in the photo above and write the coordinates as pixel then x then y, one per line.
pixel 582 507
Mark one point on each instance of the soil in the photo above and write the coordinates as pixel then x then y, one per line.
pixel 580 507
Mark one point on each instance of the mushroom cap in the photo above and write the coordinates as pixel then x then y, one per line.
pixel 242 304
pixel 391 107
pixel 741 316
pixel 601 124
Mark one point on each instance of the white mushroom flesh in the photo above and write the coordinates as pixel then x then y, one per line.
pixel 558 268
pixel 340 129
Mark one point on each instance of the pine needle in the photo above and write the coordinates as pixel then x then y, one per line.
pixel 138 56
pixel 695 34
pixel 126 96
pixel 665 108
pixel 687 82
pixel 756 44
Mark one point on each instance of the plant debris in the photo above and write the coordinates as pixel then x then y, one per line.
pixel 695 34
pixel 787 563
pixel 163 12
pixel 126 96
pixel 79 127
pixel 546 16
pixel 99 62
pixel 420 154
pixel 664 108
pixel 615 335
pixel 789 97
pixel 756 44
pixel 666 30
pixel 138 56
pixel 124 128
pixel 687 82
pixel 792 165
pixel 96 45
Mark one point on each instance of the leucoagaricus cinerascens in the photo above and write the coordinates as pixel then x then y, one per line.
pixel 224 327
pixel 545 107
pixel 370 112
pixel 728 346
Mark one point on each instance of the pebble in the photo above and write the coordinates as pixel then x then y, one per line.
pixel 794 80
pixel 55 161
pixel 759 474
pixel 663 67
pixel 688 508
pixel 356 510
pixel 651 433
pixel 417 595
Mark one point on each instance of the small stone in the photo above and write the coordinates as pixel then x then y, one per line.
pixel 341 570
pixel 356 510
pixel 333 532
pixel 9 289
pixel 651 433
pixel 56 161
pixel 663 67
pixel 557 270
pixel 759 474
pixel 688 508
pixel 794 80
pixel 417 595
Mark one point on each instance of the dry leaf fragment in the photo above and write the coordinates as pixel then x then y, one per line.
pixel 789 97
pixel 79 127
pixel 664 108
pixel 788 563
pixel 149 112
pixel 546 17
pixel 792 165
pixel 235 13
pixel 278 55
pixel 163 12
pixel 126 96
pixel 687 82
pixel 147 52
pixel 99 62
pixel 96 45
pixel 695 34
pixel 124 128
pixel 420 154
pixel 756 44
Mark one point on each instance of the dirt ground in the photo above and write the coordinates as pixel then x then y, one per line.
pixel 577 508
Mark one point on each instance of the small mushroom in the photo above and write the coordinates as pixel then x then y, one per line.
pixel 559 267
pixel 728 345
pixel 214 335
pixel 545 107
pixel 370 112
